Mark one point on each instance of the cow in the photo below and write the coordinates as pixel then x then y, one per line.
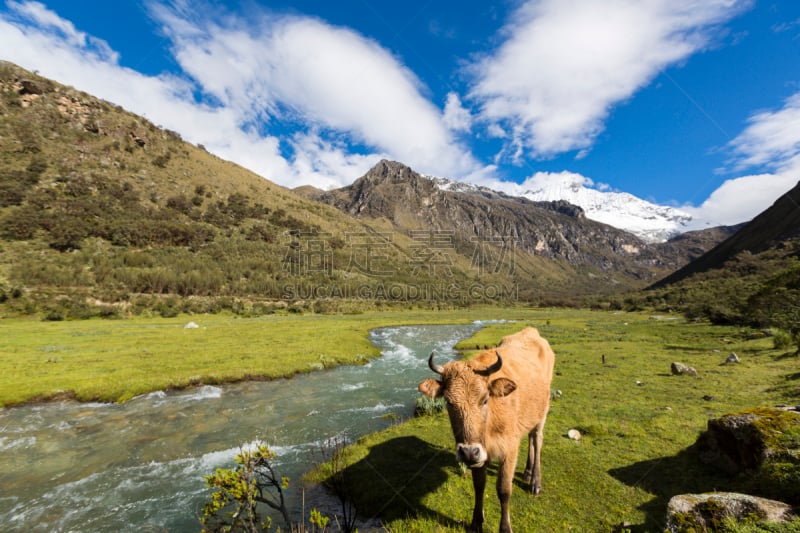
pixel 493 400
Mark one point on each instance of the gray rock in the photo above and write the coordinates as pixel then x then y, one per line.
pixel 680 369
pixel 732 358
pixel 699 512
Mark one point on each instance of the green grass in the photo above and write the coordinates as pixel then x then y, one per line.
pixel 633 455
pixel 631 460
pixel 115 360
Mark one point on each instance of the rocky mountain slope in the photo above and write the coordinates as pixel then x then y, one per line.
pixel 102 212
pixel 556 230
pixel 650 222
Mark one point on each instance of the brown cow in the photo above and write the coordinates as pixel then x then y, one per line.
pixel 493 400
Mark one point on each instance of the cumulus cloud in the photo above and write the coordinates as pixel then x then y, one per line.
pixel 47 19
pixel 281 67
pixel 770 142
pixel 456 117
pixel 564 64
pixel 277 94
pixel 741 199
pixel 771 138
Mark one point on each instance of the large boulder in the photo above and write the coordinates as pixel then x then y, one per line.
pixel 760 446
pixel 707 512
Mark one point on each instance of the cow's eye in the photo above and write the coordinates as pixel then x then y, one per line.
pixel 485 402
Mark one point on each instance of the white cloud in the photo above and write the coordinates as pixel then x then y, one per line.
pixel 255 77
pixel 326 77
pixel 564 64
pixel 770 142
pixel 741 199
pixel 456 117
pixel 771 139
pixel 331 163
pixel 49 20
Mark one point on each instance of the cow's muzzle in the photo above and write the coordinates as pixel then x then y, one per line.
pixel 472 455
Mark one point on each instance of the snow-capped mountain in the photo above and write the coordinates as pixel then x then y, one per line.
pixel 651 222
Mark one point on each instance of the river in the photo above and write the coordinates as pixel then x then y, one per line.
pixel 139 465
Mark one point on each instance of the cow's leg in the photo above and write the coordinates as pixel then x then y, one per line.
pixel 505 481
pixel 533 469
pixel 479 484
pixel 527 477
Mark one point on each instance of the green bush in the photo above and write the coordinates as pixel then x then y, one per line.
pixel 424 406
pixel 782 340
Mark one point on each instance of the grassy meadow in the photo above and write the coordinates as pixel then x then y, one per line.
pixel 115 360
pixel 636 419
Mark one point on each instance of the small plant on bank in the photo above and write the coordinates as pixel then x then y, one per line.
pixel 318 520
pixel 234 504
pixel 424 406
pixel 333 460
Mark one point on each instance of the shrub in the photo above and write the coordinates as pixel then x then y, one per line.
pixel 424 406
pixel 782 340
pixel 234 504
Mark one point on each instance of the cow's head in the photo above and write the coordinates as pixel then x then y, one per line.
pixel 468 393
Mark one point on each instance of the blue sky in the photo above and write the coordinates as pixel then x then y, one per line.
pixel 690 103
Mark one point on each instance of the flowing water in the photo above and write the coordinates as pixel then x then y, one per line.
pixel 139 466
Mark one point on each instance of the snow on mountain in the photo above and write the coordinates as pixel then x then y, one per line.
pixel 651 222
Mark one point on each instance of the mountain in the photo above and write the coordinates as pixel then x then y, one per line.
pixel 103 213
pixel 554 230
pixel 650 222
pixel 780 222
pixel 751 278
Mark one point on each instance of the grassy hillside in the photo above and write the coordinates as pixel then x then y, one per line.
pixel 778 223
pixel 104 213
pixel 752 289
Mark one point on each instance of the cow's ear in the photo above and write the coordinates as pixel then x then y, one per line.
pixel 501 387
pixel 431 388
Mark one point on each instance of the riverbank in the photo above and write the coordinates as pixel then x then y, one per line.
pixel 139 465
pixel 116 360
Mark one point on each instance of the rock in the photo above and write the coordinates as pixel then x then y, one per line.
pixel 705 512
pixel 763 444
pixel 574 434
pixel 732 358
pixel 30 87
pixel 191 325
pixel 679 369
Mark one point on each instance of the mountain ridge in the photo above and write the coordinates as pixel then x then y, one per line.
pixel 104 213
pixel 779 222
pixel 554 229
pixel 651 222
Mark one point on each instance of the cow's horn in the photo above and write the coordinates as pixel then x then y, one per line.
pixel 488 371
pixel 436 368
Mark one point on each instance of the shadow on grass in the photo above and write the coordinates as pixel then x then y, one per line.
pixel 392 481
pixel 666 477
